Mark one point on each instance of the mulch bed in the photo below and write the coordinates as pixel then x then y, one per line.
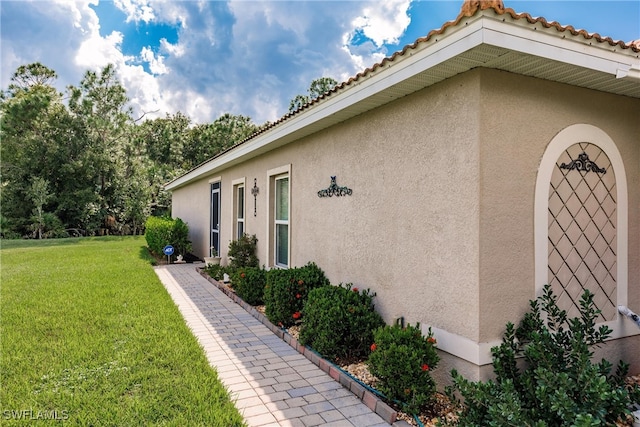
pixel 441 408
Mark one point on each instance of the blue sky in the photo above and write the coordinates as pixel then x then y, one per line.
pixel 207 58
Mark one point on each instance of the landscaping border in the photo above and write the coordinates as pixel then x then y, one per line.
pixel 373 402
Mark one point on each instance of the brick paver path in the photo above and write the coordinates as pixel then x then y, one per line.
pixel 271 383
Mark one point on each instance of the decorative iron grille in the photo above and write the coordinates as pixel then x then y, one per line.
pixel 582 230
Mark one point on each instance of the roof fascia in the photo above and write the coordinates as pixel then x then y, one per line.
pixel 516 35
pixel 435 51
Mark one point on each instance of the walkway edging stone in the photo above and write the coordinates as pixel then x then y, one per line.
pixel 373 402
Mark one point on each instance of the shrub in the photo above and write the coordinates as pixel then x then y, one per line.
pixel 243 252
pixel 287 290
pixel 558 385
pixel 249 284
pixel 52 227
pixel 160 232
pixel 402 359
pixel 157 233
pixel 217 271
pixel 339 321
pixel 180 236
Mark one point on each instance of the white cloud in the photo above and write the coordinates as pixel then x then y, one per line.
pixel 384 22
pixel 145 94
pixel 136 10
pixel 170 12
pixel 379 24
pixel 171 49
pixel 96 51
pixel 239 57
pixel 156 63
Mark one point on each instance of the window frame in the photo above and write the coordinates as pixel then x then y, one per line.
pixel 280 222
pixel 239 208
pixel 215 187
pixel 273 222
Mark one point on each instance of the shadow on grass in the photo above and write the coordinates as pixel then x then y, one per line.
pixel 65 241
pixel 153 259
pixel 146 255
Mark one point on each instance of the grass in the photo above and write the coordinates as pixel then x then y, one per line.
pixel 89 335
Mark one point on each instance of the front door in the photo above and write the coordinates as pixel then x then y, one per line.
pixel 215 218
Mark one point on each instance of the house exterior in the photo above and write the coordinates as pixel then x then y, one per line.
pixel 455 178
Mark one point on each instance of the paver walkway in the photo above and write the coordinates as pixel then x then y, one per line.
pixel 272 384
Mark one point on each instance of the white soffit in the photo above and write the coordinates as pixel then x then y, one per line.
pixel 484 40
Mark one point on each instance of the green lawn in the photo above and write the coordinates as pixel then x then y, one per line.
pixel 89 335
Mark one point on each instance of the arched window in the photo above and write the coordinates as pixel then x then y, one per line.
pixel 581 222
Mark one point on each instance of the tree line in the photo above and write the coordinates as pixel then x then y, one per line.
pixel 80 163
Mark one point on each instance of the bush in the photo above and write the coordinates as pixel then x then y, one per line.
pixel 559 385
pixel 249 284
pixel 157 233
pixel 243 252
pixel 160 232
pixel 401 359
pixel 339 321
pixel 217 271
pixel 180 237
pixel 287 290
pixel 52 227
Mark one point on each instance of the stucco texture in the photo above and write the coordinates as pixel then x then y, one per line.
pixel 520 116
pixel 440 222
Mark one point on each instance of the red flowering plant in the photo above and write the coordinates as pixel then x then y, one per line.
pixel 402 359
pixel 287 291
pixel 339 321
pixel 249 283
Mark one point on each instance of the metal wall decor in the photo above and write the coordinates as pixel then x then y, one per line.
pixel 335 190
pixel 254 191
pixel 583 164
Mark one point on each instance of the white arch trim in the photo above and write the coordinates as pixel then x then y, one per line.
pixel 563 140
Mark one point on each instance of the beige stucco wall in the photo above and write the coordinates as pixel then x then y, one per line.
pixel 410 229
pixel 440 223
pixel 411 164
pixel 192 205
pixel 520 116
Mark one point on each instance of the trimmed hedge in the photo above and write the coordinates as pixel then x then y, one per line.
pixel 249 283
pixel 287 290
pixel 339 321
pixel 402 359
pixel 160 232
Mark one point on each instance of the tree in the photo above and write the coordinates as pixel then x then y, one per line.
pixel 207 140
pixel 86 164
pixel 29 132
pixel 99 104
pixel 77 149
pixel 29 76
pixel 317 88
pixel 164 138
pixel 39 194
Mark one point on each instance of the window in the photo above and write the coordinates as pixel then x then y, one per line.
pixel 281 221
pixel 278 223
pixel 240 229
pixel 214 242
